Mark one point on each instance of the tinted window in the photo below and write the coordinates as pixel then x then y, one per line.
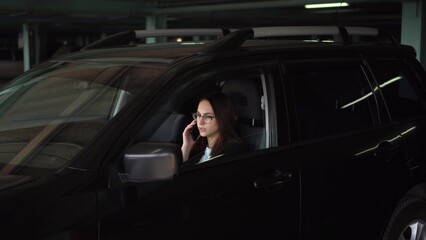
pixel 400 87
pixel 49 115
pixel 330 99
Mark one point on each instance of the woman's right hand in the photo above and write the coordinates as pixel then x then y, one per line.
pixel 186 135
pixel 187 139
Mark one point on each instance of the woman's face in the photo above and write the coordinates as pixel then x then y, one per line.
pixel 211 129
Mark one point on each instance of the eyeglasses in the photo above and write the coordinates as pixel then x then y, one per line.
pixel 206 118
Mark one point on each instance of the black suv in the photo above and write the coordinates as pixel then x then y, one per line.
pixel 335 118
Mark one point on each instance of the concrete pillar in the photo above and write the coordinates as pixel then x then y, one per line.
pixel 196 38
pixel 161 21
pixel 150 25
pixel 26 45
pixel 155 22
pixel 413 18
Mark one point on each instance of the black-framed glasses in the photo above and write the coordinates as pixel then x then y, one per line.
pixel 206 118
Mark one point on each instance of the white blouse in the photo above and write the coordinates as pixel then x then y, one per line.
pixel 207 155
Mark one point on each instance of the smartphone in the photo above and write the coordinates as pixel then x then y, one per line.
pixel 195 132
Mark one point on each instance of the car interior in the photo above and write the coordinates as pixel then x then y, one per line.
pixel 247 96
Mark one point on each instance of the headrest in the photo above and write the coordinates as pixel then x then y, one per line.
pixel 247 98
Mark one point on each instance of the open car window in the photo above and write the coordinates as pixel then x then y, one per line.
pixel 247 88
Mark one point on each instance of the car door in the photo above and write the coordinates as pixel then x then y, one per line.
pixel 400 81
pixel 345 153
pixel 245 195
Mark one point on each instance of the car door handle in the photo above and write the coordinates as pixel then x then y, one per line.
pixel 386 150
pixel 274 179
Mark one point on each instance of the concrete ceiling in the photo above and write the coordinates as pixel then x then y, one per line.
pixel 110 16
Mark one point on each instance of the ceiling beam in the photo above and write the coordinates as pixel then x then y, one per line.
pixel 76 7
pixel 249 5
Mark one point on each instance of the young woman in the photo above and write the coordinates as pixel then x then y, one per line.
pixel 215 119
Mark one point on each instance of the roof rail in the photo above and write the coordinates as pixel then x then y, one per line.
pixel 263 32
pixel 341 31
pixel 341 34
pixel 229 42
pixel 124 38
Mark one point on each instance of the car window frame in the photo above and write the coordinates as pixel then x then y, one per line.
pixel 413 71
pixel 270 83
pixel 351 58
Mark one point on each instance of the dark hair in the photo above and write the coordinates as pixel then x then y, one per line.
pixel 226 120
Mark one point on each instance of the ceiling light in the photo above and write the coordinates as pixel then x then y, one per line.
pixel 327 5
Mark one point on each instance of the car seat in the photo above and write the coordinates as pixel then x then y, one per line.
pixel 171 129
pixel 246 95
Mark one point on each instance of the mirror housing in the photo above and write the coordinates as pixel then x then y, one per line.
pixel 147 162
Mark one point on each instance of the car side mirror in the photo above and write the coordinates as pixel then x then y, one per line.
pixel 147 162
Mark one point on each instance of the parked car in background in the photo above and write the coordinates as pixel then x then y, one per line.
pixel 335 118
pixel 11 64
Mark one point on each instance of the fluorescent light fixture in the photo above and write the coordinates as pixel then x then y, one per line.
pixel 327 5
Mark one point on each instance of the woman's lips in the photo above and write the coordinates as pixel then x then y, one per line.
pixel 202 129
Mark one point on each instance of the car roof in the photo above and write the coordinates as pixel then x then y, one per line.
pixel 234 43
pixel 152 53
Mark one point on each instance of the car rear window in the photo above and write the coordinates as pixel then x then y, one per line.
pixel 330 98
pixel 401 88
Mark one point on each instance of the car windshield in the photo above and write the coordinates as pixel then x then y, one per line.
pixel 50 115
